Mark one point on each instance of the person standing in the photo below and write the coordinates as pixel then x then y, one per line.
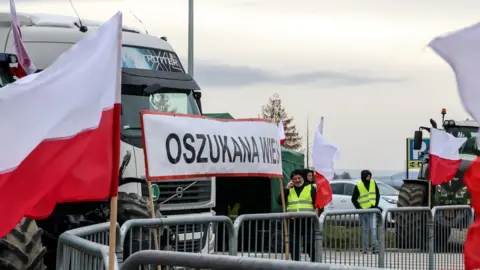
pixel 309 175
pixel 300 197
pixel 366 195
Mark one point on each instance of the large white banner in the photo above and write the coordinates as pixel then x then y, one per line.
pixel 186 146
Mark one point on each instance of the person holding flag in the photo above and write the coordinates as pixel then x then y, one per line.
pixel 300 197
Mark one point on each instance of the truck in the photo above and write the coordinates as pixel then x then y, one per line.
pixel 153 78
pixel 416 192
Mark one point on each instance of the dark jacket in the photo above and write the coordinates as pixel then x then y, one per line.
pixel 356 194
pixel 298 190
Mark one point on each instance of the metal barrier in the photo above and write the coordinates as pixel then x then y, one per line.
pixel 450 228
pixel 180 233
pixel 269 233
pixel 405 238
pixel 97 233
pixel 352 237
pixel 408 238
pixel 75 253
pixel 204 261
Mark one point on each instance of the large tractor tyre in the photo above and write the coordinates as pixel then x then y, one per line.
pixel 22 248
pixel 411 227
pixel 133 206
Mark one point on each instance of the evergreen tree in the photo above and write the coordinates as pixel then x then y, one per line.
pixel 275 111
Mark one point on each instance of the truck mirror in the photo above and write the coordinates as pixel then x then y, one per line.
pixel 433 123
pixel 417 140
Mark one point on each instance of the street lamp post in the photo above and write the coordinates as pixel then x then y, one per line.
pixel 190 37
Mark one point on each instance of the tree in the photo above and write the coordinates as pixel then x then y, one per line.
pixel 345 175
pixel 275 111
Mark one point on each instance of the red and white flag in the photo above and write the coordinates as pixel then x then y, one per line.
pixel 444 156
pixel 323 155
pixel 60 137
pixel 23 58
pixel 281 132
pixel 461 50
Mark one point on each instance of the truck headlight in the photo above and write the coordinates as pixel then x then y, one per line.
pixel 442 191
pixel 462 192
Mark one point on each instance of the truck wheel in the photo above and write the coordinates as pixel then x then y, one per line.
pixel 133 206
pixel 411 226
pixel 22 248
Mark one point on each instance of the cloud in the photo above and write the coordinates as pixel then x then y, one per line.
pixel 223 75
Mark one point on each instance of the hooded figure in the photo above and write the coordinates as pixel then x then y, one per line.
pixel 309 176
pixel 366 177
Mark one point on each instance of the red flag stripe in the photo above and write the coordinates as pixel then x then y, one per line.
pixel 324 191
pixel 442 170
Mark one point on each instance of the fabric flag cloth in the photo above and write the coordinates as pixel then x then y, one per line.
pixel 461 50
pixel 281 132
pixel 323 155
pixel 24 59
pixel 60 136
pixel 444 156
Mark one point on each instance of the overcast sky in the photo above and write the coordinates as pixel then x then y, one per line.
pixel 362 64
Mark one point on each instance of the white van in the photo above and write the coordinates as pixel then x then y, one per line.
pixel 147 62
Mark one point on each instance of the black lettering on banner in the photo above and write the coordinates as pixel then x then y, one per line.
pixel 170 137
pixel 255 151
pixel 237 151
pixel 247 151
pixel 272 150
pixel 210 145
pixel 189 148
pixel 201 159
pixel 265 151
pixel 225 149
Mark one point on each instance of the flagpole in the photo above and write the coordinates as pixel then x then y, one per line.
pixel 152 213
pixel 113 233
pixel 190 37
pixel 285 223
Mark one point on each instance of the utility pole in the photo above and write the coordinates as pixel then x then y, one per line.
pixel 190 37
pixel 308 146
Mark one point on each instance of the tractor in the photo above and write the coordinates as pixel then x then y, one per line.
pixel 411 228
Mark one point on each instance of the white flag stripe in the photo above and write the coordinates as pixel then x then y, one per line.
pixel 323 154
pixel 461 50
pixel 281 130
pixel 445 145
pixel 37 113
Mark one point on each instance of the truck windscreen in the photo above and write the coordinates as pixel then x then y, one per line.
pixel 134 96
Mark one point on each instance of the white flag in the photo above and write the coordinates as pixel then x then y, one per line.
pixel 23 58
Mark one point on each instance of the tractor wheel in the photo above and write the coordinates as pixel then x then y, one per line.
pixel 411 227
pixel 133 206
pixel 22 248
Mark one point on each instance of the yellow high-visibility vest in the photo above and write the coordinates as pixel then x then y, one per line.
pixel 304 203
pixel 367 198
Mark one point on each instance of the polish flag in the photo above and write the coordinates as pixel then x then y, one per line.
pixel 444 156
pixel 323 155
pixel 281 132
pixel 24 59
pixel 461 50
pixel 60 136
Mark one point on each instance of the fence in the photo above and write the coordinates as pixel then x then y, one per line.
pixel 202 261
pixel 397 238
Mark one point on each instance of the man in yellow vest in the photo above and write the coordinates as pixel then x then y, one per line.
pixel 300 197
pixel 366 196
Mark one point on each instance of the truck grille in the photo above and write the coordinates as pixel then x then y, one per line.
pixel 181 192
